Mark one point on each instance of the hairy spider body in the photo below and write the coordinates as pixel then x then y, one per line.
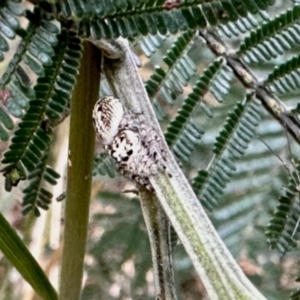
pixel 135 146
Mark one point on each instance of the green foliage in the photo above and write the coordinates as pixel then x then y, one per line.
pixel 149 43
pixel 284 78
pixel 230 145
pixel 37 80
pixel 183 133
pixel 180 70
pixel 34 51
pixel 104 20
pixel 29 147
pixel 35 195
pixel 9 13
pixel 16 252
pixel 283 230
pixel 104 165
pixel 273 38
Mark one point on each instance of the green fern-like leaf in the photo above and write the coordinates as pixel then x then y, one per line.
pixel 244 24
pixel 180 70
pixel 104 20
pixel 36 194
pixel 9 23
pixel 6 124
pixel 273 37
pixel 285 77
pixel 283 230
pixel 221 84
pixel 52 94
pixel 150 43
pixel 33 52
pixel 229 146
pixel 183 133
pixel 240 26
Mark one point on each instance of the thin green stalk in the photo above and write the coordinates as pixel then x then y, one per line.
pixel 17 253
pixel 81 154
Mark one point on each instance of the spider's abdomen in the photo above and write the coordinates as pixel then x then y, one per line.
pixel 107 115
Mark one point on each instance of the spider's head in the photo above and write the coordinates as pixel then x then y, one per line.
pixel 107 115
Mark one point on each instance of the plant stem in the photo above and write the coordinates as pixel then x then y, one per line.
pixel 81 154
pixel 158 229
pixel 222 277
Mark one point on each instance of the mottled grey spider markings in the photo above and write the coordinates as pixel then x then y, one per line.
pixel 107 115
pixel 135 146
